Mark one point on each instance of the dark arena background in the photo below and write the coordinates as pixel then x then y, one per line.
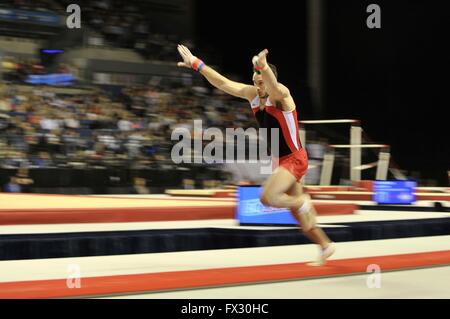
pixel 95 201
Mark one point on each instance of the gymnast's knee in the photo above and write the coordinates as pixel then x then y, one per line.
pixel 264 199
pixel 267 198
pixel 308 228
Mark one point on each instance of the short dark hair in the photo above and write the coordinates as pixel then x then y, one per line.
pixel 272 67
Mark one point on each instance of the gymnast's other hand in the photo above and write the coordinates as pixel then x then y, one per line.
pixel 260 61
pixel 187 56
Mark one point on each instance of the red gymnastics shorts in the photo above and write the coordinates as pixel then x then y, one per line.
pixel 296 163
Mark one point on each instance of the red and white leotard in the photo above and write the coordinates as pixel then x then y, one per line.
pixel 292 155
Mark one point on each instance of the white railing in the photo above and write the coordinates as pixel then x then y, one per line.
pixel 355 147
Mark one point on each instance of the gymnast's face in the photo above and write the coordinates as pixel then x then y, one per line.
pixel 259 84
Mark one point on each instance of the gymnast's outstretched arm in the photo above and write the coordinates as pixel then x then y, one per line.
pixel 237 89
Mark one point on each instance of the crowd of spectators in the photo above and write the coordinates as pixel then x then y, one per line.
pixel 125 24
pixel 122 23
pixel 33 5
pixel 100 128
pixel 39 128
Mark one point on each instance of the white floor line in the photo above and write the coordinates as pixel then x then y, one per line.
pixel 22 270
pixel 98 227
pixel 334 221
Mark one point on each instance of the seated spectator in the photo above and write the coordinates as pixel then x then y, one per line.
pixel 140 186
pixel 23 179
pixel 12 186
pixel 42 161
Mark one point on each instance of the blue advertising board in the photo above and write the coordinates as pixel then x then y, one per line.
pixel 394 192
pixel 250 210
pixel 27 16
pixel 51 79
